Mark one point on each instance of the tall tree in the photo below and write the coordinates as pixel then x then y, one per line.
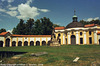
pixel 2 30
pixel 29 27
pixel 20 28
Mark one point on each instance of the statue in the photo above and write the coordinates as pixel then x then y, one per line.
pixel 54 41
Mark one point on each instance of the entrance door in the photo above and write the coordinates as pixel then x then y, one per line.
pixel 7 42
pixel 73 40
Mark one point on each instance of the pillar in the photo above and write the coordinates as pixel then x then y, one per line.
pixel 77 37
pixel 84 37
pixel 4 42
pixel 68 38
pixel 95 37
pixel 28 41
pixel 10 42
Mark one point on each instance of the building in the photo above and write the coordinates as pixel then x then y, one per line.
pixel 74 33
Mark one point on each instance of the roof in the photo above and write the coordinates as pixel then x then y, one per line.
pixel 74 25
pixel 90 25
pixel 59 28
pixel 31 35
pixel 98 33
pixel 3 33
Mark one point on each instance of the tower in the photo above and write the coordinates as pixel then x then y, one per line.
pixel 74 17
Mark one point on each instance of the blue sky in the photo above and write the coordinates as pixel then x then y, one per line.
pixel 59 11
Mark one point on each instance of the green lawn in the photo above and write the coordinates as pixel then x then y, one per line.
pixel 57 56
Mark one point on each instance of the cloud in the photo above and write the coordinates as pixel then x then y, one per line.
pixel 90 19
pixel 44 10
pixel 22 11
pixel 2 10
pixel 12 13
pixel 12 8
pixel 28 2
pixel 27 12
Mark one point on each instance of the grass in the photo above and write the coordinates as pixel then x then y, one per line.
pixel 57 56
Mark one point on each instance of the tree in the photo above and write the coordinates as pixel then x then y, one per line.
pixel 29 27
pixel 46 26
pixel 2 30
pixel 20 28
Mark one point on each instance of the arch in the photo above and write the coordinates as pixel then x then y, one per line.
pixel 25 43
pixel 99 41
pixel 31 43
pixel 7 42
pixel 1 43
pixel 37 43
pixel 59 41
pixel 73 40
pixel 43 43
pixel 19 43
pixel 13 43
pixel 49 43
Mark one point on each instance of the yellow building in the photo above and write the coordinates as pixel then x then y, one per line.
pixel 76 33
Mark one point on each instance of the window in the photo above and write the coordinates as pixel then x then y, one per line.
pixel 80 33
pixel 81 40
pixel 89 32
pixel 72 32
pixel 90 40
pixel 59 34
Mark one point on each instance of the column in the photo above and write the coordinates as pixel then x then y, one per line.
pixel 10 42
pixel 63 38
pixel 4 42
pixel 95 37
pixel 23 41
pixel 28 41
pixel 17 42
pixel 84 37
pixel 77 37
pixel 34 41
pixel 40 41
pixel 68 38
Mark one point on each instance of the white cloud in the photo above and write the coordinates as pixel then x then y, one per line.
pixel 9 1
pixel 28 2
pixel 27 12
pixel 12 13
pixel 90 19
pixel 10 31
pixel 12 8
pixel 44 10
pixel 2 10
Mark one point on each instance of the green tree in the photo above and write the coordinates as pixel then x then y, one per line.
pixel 46 26
pixel 20 28
pixel 2 30
pixel 29 27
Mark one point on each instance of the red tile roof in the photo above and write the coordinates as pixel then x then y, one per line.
pixel 90 25
pixel 31 35
pixel 98 33
pixel 3 33
pixel 59 28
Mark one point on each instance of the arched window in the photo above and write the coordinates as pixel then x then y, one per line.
pixel 59 34
pixel 49 43
pixel 81 33
pixel 25 43
pixel 19 43
pixel 7 42
pixel 37 43
pixel 31 43
pixel 89 32
pixel 43 43
pixel 13 43
pixel 1 43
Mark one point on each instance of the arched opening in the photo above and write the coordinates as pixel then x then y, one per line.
pixel 19 43
pixel 66 40
pixel 7 42
pixel 73 40
pixel 99 41
pixel 90 40
pixel 1 43
pixel 13 43
pixel 31 43
pixel 25 43
pixel 43 43
pixel 48 43
pixel 59 41
pixel 37 43
pixel 81 40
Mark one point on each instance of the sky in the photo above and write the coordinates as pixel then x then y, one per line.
pixel 59 11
